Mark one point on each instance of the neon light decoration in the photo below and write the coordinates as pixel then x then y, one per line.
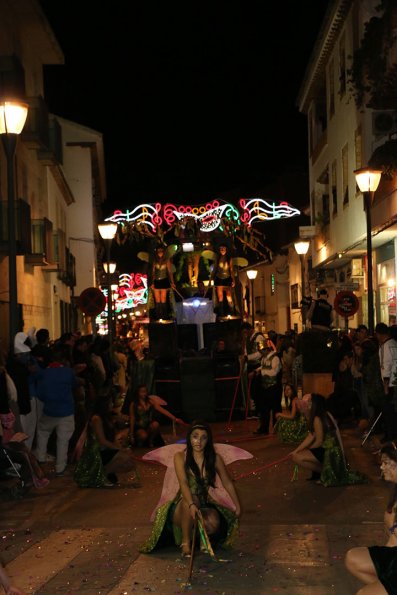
pixel 131 292
pixel 145 214
pixel 261 210
pixel 208 216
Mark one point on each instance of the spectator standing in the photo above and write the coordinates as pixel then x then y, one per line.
pixel 55 385
pixel 267 399
pixel 320 312
pixel 388 369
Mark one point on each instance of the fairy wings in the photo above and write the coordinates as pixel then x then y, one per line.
pixel 165 456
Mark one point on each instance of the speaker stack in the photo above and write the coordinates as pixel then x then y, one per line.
pixel 197 389
pixel 163 341
pixel 229 330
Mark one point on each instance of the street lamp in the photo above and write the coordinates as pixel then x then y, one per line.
pixel 251 274
pixel 107 232
pixel 301 249
pixel 368 181
pixel 13 116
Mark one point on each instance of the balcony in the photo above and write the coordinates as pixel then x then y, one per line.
pixel 23 225
pixel 42 253
pixel 68 274
pixel 52 153
pixel 36 130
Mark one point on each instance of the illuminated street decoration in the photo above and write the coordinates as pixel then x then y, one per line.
pixel 146 214
pixel 209 216
pixel 131 292
pixel 258 209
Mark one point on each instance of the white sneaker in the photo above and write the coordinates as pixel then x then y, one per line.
pixel 47 459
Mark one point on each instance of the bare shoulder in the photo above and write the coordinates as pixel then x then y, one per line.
pixel 179 457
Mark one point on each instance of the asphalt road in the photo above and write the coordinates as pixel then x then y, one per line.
pixel 293 534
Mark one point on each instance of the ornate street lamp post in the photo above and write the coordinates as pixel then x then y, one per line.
pixel 251 274
pixel 13 116
pixel 301 249
pixel 368 181
pixel 107 232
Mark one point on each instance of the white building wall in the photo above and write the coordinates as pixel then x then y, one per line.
pixel 82 215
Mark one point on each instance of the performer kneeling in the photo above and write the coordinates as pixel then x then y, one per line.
pixel 198 469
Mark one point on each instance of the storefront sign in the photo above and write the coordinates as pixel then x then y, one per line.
pixel 346 303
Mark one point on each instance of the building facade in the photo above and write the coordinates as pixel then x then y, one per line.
pixel 60 182
pixel 348 120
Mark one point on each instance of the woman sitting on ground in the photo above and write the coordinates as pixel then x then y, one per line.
pixel 197 468
pixel 376 566
pixel 310 453
pixel 321 452
pixel 104 455
pixel 144 429
pixel 291 425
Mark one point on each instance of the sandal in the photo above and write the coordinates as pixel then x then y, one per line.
pixel 185 549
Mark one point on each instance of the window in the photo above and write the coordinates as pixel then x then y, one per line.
pixel 325 201
pixel 334 189
pixel 345 175
pixel 331 88
pixel 342 66
pixel 358 149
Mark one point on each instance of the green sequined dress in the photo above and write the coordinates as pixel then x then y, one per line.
pixel 89 472
pixel 335 471
pixel 291 430
pixel 164 532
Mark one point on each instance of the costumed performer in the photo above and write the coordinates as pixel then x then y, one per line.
pixel 291 425
pixel 223 277
pixel 144 430
pixel 104 453
pixel 162 281
pixel 321 452
pixel 376 566
pixel 205 490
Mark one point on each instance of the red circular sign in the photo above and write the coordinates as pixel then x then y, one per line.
pixel 92 301
pixel 346 303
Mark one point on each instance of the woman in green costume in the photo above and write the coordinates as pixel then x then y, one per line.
pixel 291 425
pixel 199 470
pixel 321 452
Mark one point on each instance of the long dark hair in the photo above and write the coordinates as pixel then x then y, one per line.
pixel 318 410
pixel 209 454
pixel 390 450
pixel 103 410
pixel 288 400
pixel 135 394
pixel 132 397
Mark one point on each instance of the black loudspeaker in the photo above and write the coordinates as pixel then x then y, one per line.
pixel 226 371
pixel 197 389
pixel 187 337
pixel 229 330
pixel 163 340
pixel 167 384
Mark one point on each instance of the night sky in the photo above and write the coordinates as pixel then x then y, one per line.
pixel 196 101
